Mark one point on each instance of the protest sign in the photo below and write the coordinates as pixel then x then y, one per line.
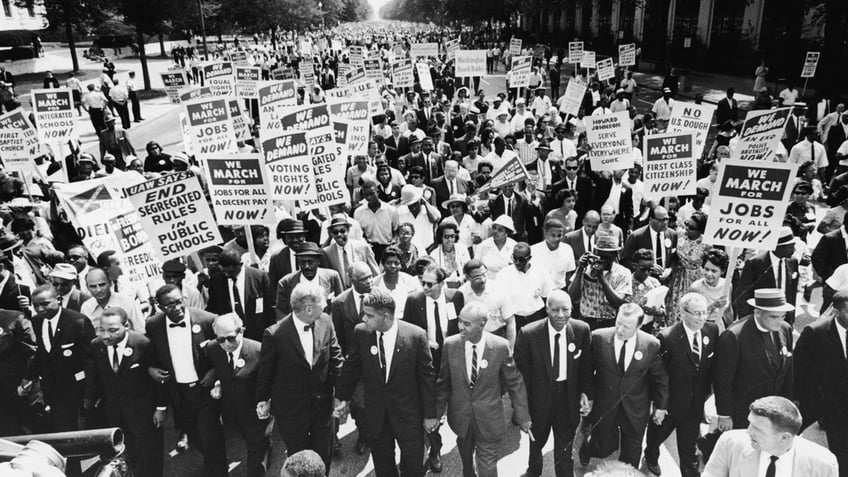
pixel 521 71
pixel 573 97
pixel 305 48
pixel 424 77
pixel 219 78
pixel 274 98
pixel 811 62
pixel 289 166
pixel 247 82
pixel 306 68
pixel 402 75
pixel 363 91
pixel 749 202
pixel 511 172
pixel 239 190
pixel 336 44
pixel 185 129
pixel 374 71
pixel 609 136
pixel 239 58
pixel 18 141
pixel 606 70
pixel 174 81
pixel 190 93
pixel 280 74
pixel 514 46
pixel 138 259
pixel 355 115
pixel 238 119
pixel 761 132
pixel 694 118
pixel 575 52
pixel 356 75
pixel 539 51
pixel 470 63
pixel 451 47
pixel 357 55
pixel 669 165
pixel 54 113
pixel 211 129
pixel 353 110
pixel 588 59
pixel 175 214
pixel 627 54
pixel 424 50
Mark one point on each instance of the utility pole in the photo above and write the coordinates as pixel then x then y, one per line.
pixel 203 27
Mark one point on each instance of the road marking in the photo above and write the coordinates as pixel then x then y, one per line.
pixel 233 465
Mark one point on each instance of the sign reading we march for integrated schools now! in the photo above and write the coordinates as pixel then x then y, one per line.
pixel 749 202
pixel 609 136
pixel 669 165
pixel 175 214
pixel 238 189
pixel 761 132
pixel 54 113
pixel 212 131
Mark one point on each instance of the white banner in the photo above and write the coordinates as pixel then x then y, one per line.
pixel 424 50
pixel 573 98
pixel 470 63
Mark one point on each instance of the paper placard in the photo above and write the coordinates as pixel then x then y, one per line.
pixel 670 168
pixel 609 136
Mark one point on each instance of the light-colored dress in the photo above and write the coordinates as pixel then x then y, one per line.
pixel 760 82
pixel 689 258
pixel 719 315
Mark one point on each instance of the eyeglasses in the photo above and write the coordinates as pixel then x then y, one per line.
pixel 427 284
pixel 171 305
pixel 450 237
pixel 697 313
pixel 228 339
pixel 571 168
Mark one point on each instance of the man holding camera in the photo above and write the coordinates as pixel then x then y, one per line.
pixel 600 284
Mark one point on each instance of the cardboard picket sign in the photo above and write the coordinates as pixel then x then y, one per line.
pixel 190 93
pixel 761 133
pixel 356 76
pixel 138 259
pixel 247 82
pixel 511 172
pixel 212 131
pixel 424 50
pixel 238 189
pixel 185 130
pixel 357 55
pixel 18 141
pixel 239 120
pixel 55 118
pixel 374 71
pixel 286 158
pixel 402 75
pixel 239 58
pixel 363 91
pixel 219 78
pixel 606 70
pixel 588 59
pixel 306 69
pixel 514 46
pixel 521 71
pixel 451 47
pixel 175 214
pixel 470 63
pixel 811 62
pixel 609 137
pixel 627 54
pixel 174 82
pixel 424 77
pixel 749 202
pixel 275 97
pixel 694 118
pixel 573 98
pixel 355 115
pixel 539 51
pixel 670 166
pixel 575 52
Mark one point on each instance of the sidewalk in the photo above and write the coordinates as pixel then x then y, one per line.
pixel 712 85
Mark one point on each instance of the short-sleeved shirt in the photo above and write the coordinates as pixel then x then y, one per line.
pixel 593 302
pixel 526 289
pixel 378 227
pixel 94 311
pixel 500 307
pixel 557 262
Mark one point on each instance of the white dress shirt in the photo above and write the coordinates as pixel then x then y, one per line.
pixel 629 349
pixel 779 269
pixel 122 345
pixel 840 330
pixel 783 465
pixel 180 345
pixel 563 351
pixel 389 340
pixel 588 241
pixel 236 353
pixel 45 334
pixel 481 345
pixel 239 281
pixel 526 289
pixel 690 334
pixel 614 199
pixel 431 318
pixel 305 338
pixel 661 235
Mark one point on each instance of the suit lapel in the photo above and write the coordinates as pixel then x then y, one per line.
pixel 544 344
pixel 317 339
pixel 294 336
pixel 836 346
pixel 400 344
pixel 569 358
pixel 163 330
pixel 610 348
pixel 684 339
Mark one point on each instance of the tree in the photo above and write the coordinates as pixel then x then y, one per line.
pixel 147 16
pixel 78 16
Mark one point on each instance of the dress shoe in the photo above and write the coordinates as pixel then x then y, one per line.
pixel 182 443
pixel 361 447
pixel 585 454
pixel 434 462
pixel 653 467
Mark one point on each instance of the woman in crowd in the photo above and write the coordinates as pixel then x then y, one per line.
pixel 643 283
pixel 409 253
pixel 397 282
pixel 713 287
pixel 608 227
pixel 690 252
pixel 448 254
pixel 386 190
pixel 496 251
pixel 565 213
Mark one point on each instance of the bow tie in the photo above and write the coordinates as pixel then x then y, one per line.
pixel 181 324
pixel 309 327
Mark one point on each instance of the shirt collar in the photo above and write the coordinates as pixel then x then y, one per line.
pixel 391 333
pixel 237 351
pixel 480 344
pixel 298 323
pixel 55 317
pixel 552 331
pixel 123 343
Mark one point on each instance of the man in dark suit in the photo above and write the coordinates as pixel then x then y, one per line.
pixel 396 145
pixel 61 361
pixel 794 126
pixel 178 336
pixel 435 310
pixel 392 359
pixel 297 372
pixel 776 269
pixel 63 277
pixel 727 109
pixel 308 260
pixel 612 186
pixel 17 347
pixel 829 254
pixel 688 350
pixel 343 250
pixel 657 237
pixel 245 291
pixel 514 205
pixel 120 378
pixel 629 376
pixel 447 185
pixel 293 235
pixel 236 362
pixel 581 184
pixel 821 377
pixel 555 359
pixel 582 240
pixel 11 293
pixel 753 359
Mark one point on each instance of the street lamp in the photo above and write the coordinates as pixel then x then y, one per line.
pixel 321 8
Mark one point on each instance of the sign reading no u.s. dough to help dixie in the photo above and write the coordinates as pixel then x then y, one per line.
pixel 761 132
pixel 238 189
pixel 55 117
pixel 470 63
pixel 749 203
pixel 212 131
pixel 694 118
pixel 289 166
pixel 609 136
pixel 18 141
pixel 669 165
pixel 219 78
pixel 175 214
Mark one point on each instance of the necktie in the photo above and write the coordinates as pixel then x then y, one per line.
pixel 659 250
pixel 813 152
pixel 237 301
pixel 116 286
pixel 115 359
pixel 508 206
pixel 174 325
pixel 309 327
pixel 382 354
pixel 621 357
pixel 556 357
pixel 771 347
pixel 450 187
pixel 50 331
pixel 771 470
pixel 361 308
pixel 439 338
pixel 346 265
pixel 473 365
pixel 781 274
pixel 696 347
pixel 231 361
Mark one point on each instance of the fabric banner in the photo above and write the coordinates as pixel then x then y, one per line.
pixel 238 190
pixel 219 78
pixel 424 50
pixel 606 70
pixel 274 98
pixel 573 98
pixel 521 71
pixel 627 54
pixel 174 82
pixel 470 63
pixel 175 214
pixel 247 82
pixel 694 118
pixel 749 202
pixel 511 172
pixel 609 136
pixel 18 141
pixel 514 46
pixel 211 129
pixel 424 77
pixel 761 133
pixel 670 168
pixel 55 118
pixel 402 75
pixel 289 166
pixel 575 52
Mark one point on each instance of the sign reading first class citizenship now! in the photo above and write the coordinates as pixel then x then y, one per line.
pixel 669 165
pixel 54 113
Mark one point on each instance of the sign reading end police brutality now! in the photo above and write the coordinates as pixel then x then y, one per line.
pixel 175 214
pixel 761 132
pixel 55 117
pixel 609 136
pixel 749 202
pixel 669 165
pixel 238 190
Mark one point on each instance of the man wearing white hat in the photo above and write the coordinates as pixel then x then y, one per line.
pixel 64 277
pixel 774 269
pixel 496 251
pixel 420 213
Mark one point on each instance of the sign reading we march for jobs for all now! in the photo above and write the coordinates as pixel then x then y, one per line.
pixel 212 131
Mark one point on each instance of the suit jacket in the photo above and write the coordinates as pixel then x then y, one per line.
pixel 534 358
pixel 829 254
pixel 17 347
pixel 496 375
pixel 415 312
pixel 585 193
pixel 641 238
pixel 280 264
pixel 603 186
pixel 345 318
pixel 407 396
pixel 257 302
pixel 423 120
pixel 727 110
pixel 238 386
pixel 329 279
pixel 64 369
pixel 734 456
pixel 821 374
pixel 520 212
pixel 362 252
pixel 759 273
pixel 440 185
pixel 401 145
pixel 77 299
pixel 643 382
pixel 792 132
pixel 742 370
pixel 9 294
pixel 689 380
pixel 575 240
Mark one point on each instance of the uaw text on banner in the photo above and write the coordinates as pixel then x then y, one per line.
pixel 669 165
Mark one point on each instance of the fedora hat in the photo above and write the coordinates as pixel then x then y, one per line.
pixel 292 226
pixel 339 221
pixel 770 299
pixel 454 198
pixel 409 194
pixel 65 271
pixel 543 147
pixel 785 237
pixel 309 249
pixel 606 243
pixel 506 222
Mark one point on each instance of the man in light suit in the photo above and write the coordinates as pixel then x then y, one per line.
pixel 771 440
pixel 63 277
pixel 477 368
pixel 392 360
pixel 245 291
pixel 769 269
pixel 308 260
pixel 555 358
pixel 343 250
pixel 629 376
pixel 657 237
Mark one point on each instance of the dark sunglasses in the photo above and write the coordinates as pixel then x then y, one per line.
pixel 227 339
pixel 571 168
